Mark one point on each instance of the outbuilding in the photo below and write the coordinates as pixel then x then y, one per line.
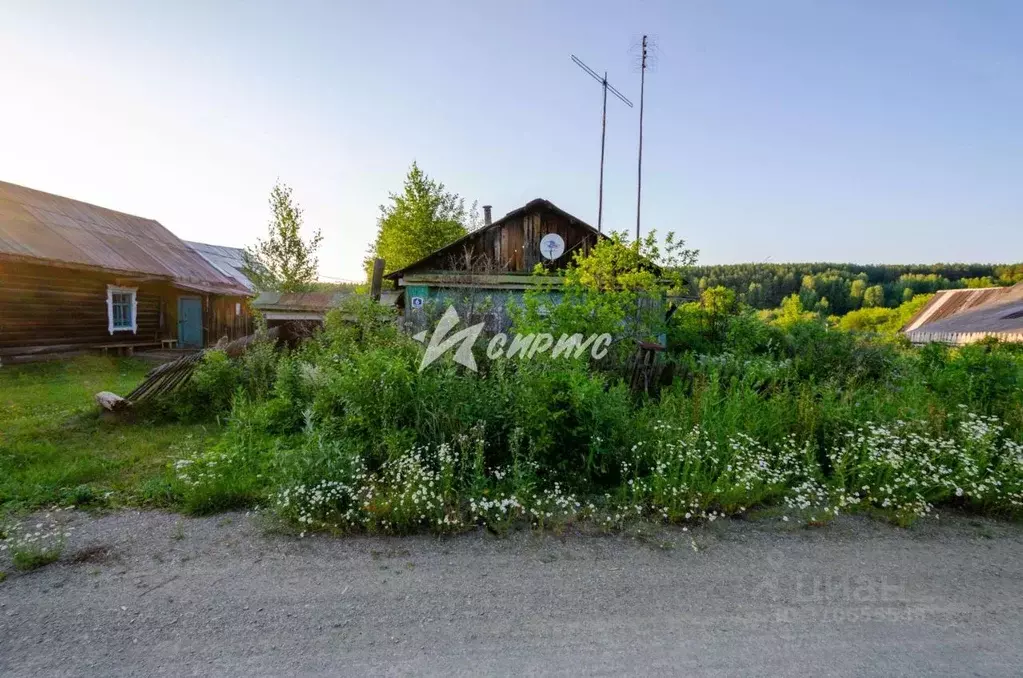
pixel 966 316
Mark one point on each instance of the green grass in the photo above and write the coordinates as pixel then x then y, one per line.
pixel 55 447
pixel 26 561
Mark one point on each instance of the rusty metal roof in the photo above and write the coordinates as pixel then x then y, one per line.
pixel 41 226
pixel 298 301
pixel 988 309
pixel 312 301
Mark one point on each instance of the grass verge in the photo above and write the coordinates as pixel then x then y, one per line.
pixel 56 448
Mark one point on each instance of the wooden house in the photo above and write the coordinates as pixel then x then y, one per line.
pixel 74 276
pixel 489 268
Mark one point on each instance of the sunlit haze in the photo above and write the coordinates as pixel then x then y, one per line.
pixel 783 131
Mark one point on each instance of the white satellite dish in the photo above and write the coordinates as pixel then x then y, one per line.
pixel 552 246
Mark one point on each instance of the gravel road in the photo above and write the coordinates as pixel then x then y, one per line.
pixel 152 594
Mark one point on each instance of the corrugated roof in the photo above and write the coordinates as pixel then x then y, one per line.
pixel 989 309
pixel 298 301
pixel 52 228
pixel 312 301
pixel 228 260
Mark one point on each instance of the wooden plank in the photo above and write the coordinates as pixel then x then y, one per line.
pixel 527 279
pixel 378 279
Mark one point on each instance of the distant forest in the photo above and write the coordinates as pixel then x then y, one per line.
pixel 836 289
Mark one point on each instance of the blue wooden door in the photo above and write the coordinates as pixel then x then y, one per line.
pixel 190 322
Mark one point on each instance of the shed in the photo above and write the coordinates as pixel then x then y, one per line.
pixel 76 276
pixel 279 308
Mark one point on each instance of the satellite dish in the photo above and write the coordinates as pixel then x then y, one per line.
pixel 552 246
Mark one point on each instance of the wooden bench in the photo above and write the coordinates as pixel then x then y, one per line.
pixel 168 343
pixel 126 348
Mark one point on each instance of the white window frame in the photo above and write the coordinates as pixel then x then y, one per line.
pixel 133 291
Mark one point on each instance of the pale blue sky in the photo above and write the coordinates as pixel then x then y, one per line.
pixel 783 130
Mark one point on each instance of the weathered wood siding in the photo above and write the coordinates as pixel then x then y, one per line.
pixel 227 317
pixel 44 306
pixel 514 246
pixel 63 309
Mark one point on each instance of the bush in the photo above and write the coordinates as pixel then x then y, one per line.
pixel 345 432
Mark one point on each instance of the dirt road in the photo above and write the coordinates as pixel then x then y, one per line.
pixel 159 595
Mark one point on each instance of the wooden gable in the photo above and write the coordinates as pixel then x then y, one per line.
pixel 511 244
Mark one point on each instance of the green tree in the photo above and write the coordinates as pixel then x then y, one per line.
pixel 283 262
pixel 873 297
pixel 856 291
pixel 718 301
pixel 619 287
pixel 422 218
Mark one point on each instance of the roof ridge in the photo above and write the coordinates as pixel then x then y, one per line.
pixel 83 202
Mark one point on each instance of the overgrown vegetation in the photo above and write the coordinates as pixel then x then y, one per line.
pixel 346 433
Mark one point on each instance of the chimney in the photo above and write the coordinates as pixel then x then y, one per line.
pixel 486 215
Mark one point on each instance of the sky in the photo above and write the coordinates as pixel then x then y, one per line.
pixel 864 131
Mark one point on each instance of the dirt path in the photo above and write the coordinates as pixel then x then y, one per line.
pixel 158 595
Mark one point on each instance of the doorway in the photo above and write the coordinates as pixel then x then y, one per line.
pixel 190 322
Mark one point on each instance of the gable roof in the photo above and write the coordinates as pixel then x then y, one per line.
pixel 531 206
pixel 988 309
pixel 41 226
pixel 228 260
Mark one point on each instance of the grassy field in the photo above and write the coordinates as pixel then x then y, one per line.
pixel 55 446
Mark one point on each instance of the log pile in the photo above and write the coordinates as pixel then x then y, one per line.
pixel 169 377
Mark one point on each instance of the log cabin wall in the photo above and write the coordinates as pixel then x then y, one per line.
pixel 55 309
pixel 44 306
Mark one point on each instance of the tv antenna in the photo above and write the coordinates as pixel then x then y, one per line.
pixel 603 131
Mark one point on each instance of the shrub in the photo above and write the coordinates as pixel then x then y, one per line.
pixel 345 432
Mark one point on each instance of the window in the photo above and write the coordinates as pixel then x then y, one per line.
pixel 122 307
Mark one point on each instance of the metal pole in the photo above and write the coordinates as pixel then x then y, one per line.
pixel 603 131
pixel 639 182
pixel 603 136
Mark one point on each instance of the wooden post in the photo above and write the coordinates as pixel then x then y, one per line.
pixel 378 279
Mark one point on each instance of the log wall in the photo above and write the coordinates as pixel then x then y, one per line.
pixel 44 308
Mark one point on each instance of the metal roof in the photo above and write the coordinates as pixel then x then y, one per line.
pixel 228 260
pixel 984 310
pixel 312 301
pixel 41 226
pixel 298 301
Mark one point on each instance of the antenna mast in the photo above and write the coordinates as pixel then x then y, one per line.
pixel 639 169
pixel 603 132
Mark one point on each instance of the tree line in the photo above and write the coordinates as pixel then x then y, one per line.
pixel 837 289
